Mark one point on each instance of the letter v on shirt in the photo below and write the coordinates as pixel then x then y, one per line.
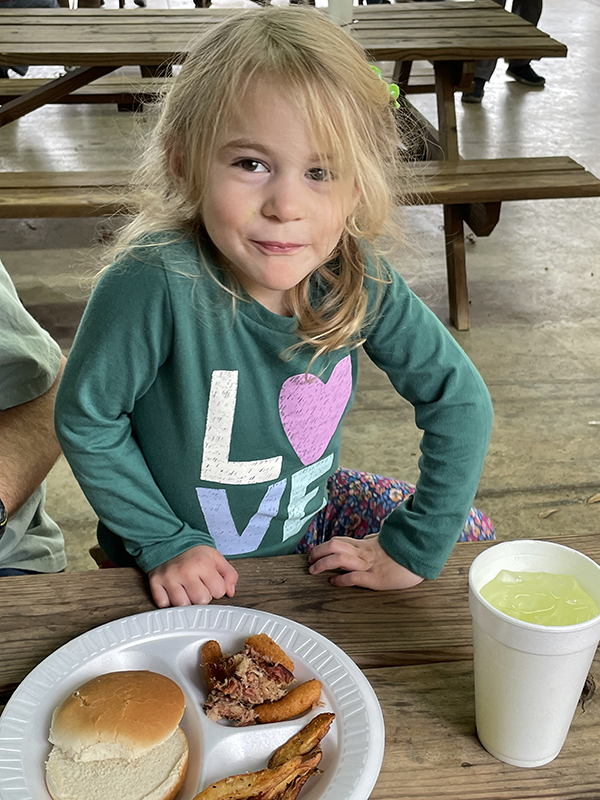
pixel 216 467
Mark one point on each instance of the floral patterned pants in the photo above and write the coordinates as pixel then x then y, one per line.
pixel 359 503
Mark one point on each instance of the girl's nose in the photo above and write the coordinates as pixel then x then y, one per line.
pixel 284 199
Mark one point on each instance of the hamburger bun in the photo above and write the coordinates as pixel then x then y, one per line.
pixel 118 736
pixel 157 775
pixel 117 715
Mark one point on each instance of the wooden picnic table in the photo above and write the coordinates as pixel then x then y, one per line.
pixel 414 647
pixel 451 34
pixel 99 41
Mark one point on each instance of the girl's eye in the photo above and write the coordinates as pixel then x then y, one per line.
pixel 320 174
pixel 250 165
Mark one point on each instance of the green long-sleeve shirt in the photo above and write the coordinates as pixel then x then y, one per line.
pixel 185 426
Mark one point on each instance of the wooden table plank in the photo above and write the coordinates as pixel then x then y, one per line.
pixel 510 22
pixel 428 623
pixel 36 180
pixel 120 33
pixel 75 18
pixel 497 165
pixel 432 751
pixel 405 31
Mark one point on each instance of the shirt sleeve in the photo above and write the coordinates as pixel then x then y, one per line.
pixel 29 357
pixel 452 407
pixel 125 335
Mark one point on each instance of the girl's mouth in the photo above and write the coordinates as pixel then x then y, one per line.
pixel 279 247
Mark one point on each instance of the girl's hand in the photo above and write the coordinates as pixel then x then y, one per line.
pixel 365 563
pixel 194 577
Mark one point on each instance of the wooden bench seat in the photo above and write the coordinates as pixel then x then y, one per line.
pixel 62 194
pixel 471 191
pixel 125 90
pixel 502 179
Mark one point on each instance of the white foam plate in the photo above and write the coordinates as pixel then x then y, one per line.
pixel 169 641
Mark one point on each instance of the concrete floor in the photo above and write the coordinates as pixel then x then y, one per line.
pixel 534 287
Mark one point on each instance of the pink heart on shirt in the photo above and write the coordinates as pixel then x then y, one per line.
pixel 310 410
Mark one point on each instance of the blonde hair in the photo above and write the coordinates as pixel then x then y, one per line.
pixel 325 73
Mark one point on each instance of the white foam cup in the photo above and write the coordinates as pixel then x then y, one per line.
pixel 528 678
pixel 341 11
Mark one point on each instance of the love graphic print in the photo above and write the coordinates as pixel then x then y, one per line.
pixel 310 411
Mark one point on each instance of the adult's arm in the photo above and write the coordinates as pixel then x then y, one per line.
pixel 29 447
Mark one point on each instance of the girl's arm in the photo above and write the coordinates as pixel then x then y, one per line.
pixel 364 563
pixel 124 338
pixel 453 409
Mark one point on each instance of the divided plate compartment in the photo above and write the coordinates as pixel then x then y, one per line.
pixel 169 641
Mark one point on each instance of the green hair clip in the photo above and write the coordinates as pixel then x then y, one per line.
pixel 394 90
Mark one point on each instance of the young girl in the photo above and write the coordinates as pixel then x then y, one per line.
pixel 203 399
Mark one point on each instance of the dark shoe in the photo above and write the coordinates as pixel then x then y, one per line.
pixel 476 93
pixel 526 75
pixel 140 3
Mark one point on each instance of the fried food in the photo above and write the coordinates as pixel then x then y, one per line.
pixel 297 701
pixel 292 790
pixel 305 769
pixel 290 766
pixel 241 787
pixel 264 645
pixel 304 741
pixel 212 664
pixel 252 686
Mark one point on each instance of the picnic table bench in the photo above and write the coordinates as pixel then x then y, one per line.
pixel 471 191
pixel 134 91
pixel 126 91
pixel 451 35
pixel 471 183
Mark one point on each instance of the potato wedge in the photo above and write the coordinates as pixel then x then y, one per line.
pixel 309 765
pixel 292 790
pixel 251 784
pixel 303 741
pixel 296 701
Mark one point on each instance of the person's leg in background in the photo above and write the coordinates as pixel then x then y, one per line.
pixel 483 72
pixel 519 69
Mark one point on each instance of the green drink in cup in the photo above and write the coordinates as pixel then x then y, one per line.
pixel 529 674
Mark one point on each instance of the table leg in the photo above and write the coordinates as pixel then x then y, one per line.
pixel 444 91
pixel 50 91
pixel 456 267
pixel 458 292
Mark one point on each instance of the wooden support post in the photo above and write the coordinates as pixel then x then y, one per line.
pixel 401 74
pixel 464 72
pixel 444 91
pixel 458 293
pixel 482 218
pixel 422 139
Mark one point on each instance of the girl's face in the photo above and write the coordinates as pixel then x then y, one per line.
pixel 270 207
